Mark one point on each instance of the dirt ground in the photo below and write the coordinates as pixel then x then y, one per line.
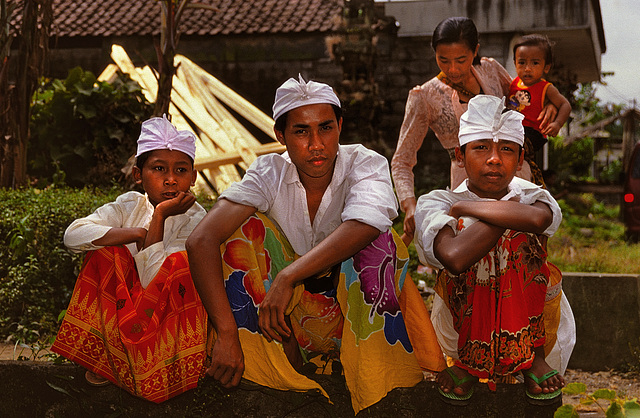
pixel 21 352
pixel 625 384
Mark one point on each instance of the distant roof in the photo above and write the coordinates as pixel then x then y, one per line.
pixel 142 17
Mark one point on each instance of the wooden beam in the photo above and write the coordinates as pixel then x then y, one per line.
pixel 235 157
pixel 229 97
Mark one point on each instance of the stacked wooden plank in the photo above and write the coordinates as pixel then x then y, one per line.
pixel 200 100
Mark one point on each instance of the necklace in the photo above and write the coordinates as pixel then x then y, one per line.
pixel 457 87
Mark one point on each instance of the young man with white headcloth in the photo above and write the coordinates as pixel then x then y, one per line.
pixel 307 262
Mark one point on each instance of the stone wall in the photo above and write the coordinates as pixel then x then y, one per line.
pixel 607 312
pixel 42 389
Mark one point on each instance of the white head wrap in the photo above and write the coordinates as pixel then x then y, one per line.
pixel 484 120
pixel 159 133
pixel 293 94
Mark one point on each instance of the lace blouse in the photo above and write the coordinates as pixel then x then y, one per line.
pixel 437 106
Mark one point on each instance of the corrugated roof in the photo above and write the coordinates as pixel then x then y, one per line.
pixel 142 17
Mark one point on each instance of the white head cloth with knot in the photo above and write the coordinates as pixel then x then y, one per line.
pixel 484 119
pixel 159 133
pixel 297 93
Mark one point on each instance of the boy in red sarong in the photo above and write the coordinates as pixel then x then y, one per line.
pixel 488 238
pixel 135 318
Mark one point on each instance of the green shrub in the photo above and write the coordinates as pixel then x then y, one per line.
pixel 82 130
pixel 37 273
pixel 572 161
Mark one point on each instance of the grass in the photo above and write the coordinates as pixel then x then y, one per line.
pixel 591 238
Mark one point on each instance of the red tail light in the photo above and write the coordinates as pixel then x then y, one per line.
pixel 629 198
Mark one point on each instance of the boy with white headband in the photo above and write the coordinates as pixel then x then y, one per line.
pixel 134 293
pixel 310 269
pixel 488 237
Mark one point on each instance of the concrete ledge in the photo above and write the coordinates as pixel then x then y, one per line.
pixel 39 389
pixel 607 312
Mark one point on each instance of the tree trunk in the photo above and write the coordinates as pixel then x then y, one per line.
pixel 32 55
pixel 165 83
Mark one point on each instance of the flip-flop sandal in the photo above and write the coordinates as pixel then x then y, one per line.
pixel 95 379
pixel 452 398
pixel 542 398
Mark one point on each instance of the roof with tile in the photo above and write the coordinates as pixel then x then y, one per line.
pixel 75 18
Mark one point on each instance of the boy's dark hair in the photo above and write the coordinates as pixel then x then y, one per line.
pixel 142 158
pixel 281 122
pixel 456 30
pixel 541 41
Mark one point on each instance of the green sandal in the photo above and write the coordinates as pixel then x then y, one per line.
pixel 542 398
pixel 452 398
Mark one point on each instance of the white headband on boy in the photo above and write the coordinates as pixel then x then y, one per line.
pixel 484 120
pixel 159 133
pixel 296 93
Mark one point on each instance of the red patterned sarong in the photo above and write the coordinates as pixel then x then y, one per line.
pixel 150 341
pixel 497 306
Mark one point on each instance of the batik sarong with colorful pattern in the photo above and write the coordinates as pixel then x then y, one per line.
pixel 150 341
pixel 375 321
pixel 497 306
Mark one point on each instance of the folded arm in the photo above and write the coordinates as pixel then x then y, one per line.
pixel 122 236
pixel 507 214
pixel 459 252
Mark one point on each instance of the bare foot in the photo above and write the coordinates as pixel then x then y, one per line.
pixel 539 368
pixel 447 383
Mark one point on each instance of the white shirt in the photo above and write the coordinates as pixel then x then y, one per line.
pixel 133 210
pixel 432 213
pixel 360 190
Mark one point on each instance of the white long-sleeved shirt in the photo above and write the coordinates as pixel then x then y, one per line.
pixel 360 190
pixel 432 213
pixel 133 210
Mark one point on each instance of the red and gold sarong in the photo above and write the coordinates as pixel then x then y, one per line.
pixel 150 341
pixel 497 306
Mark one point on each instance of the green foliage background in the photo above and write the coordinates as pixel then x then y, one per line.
pixel 37 273
pixel 83 131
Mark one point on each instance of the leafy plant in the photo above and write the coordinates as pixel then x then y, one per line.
pixel 37 274
pixel 618 406
pixel 83 131
pixel 572 161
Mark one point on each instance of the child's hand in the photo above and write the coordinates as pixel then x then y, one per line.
pixel 551 129
pixel 457 210
pixel 547 115
pixel 176 206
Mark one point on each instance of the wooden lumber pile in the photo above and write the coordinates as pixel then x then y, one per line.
pixel 200 100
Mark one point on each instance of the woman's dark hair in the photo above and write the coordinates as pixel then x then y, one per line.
pixel 281 122
pixel 541 41
pixel 456 30
pixel 142 158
